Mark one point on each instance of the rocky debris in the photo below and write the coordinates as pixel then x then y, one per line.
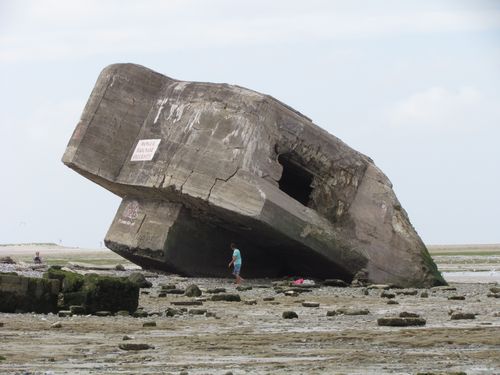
pixel 424 295
pixel 267 299
pixel 456 298
pixel 347 311
pixel 444 288
pixel 461 315
pixel 103 313
pixel 310 304
pixel 64 313
pixel 296 289
pixel 386 294
pixel 289 315
pixel 360 278
pixel 211 315
pixel 406 314
pixel 335 282
pixel 56 325
pixel 407 292
pixel 495 289
pixel 135 346
pixel 78 309
pixel 173 291
pixel 192 291
pixel 250 302
pixel 2 324
pixel 496 315
pixel 167 286
pixel 149 324
pixel 28 294
pixel 291 293
pixel 139 313
pixel 7 260
pixel 119 267
pixel 233 177
pixel 190 303
pixel 392 302
pixel 197 311
pixel 122 313
pixel 401 322
pixel 379 286
pixel 216 290
pixel 126 338
pixel 170 312
pixel 140 280
pixel 493 295
pixel 243 288
pixel 229 297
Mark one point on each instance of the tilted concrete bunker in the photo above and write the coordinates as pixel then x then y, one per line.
pixel 200 165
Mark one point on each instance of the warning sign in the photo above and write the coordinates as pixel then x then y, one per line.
pixel 145 149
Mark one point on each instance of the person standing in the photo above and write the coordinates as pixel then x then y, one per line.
pixel 236 262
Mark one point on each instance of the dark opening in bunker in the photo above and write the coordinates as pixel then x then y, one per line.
pixel 295 180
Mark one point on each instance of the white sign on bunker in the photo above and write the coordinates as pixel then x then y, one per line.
pixel 145 149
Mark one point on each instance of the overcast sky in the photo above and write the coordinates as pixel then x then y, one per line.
pixel 415 85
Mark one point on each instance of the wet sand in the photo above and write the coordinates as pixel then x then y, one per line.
pixel 255 339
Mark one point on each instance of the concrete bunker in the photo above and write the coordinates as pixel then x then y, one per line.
pixel 295 179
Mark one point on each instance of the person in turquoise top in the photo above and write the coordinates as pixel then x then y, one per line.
pixel 236 262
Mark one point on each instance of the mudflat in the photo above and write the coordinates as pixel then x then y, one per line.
pixel 252 337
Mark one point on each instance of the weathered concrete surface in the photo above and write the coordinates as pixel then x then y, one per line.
pixel 229 164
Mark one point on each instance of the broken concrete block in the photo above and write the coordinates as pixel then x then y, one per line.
pixel 199 165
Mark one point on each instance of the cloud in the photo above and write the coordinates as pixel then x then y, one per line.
pixel 51 30
pixel 439 108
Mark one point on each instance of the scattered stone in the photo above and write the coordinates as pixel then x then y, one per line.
pixel 119 267
pixel 144 291
pixel 385 294
pixel 140 314
pixel 197 311
pixel 496 315
pixel 7 260
pixel 201 299
pixel 462 315
pixel 216 290
pixel 242 288
pixel 140 280
pixel 310 304
pixel 126 338
pixel 174 291
pixel 331 313
pixel 495 289
pixel 250 302
pixel 444 288
pixel 268 299
pixel 392 302
pixel 56 325
pixel 424 295
pixel 149 324
pixel 296 289
pixel 493 295
pixel 187 303
pixel 360 278
pixel 167 286
pixel 2 324
pixel 456 298
pixel 379 286
pixel 226 297
pixel 64 313
pixel 162 295
pixel 291 293
pixel 211 314
pixel 290 315
pixel 335 283
pixel 401 322
pixel 406 314
pixel 345 311
pixel 184 373
pixel 135 346
pixel 192 291
pixel 103 313
pixel 407 292
pixel 170 312
pixel 78 309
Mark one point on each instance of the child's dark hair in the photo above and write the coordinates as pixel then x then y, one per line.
pixel 233 245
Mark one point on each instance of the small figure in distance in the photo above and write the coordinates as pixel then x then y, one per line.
pixel 37 259
pixel 236 262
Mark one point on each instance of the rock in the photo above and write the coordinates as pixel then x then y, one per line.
pixel 406 314
pixel 78 309
pixel 250 302
pixel 493 295
pixel 140 280
pixel 149 324
pixel 290 315
pixel 385 294
pixel 211 315
pixel 242 288
pixel 126 338
pixel 174 291
pixel 64 313
pixel 424 295
pixel 7 260
pixel 140 314
pixel 401 322
pixel 456 298
pixel 170 312
pixel 167 286
pixel 310 304
pixel 291 293
pixel 119 267
pixel 216 290
pixel 135 346
pixel 2 324
pixel 192 291
pixel 197 311
pixel 187 303
pixel 496 315
pixel 407 292
pixel 267 299
pixel 296 289
pixel 444 288
pixel 495 289
pixel 335 282
pixel 344 311
pixel 230 173
pixel 462 315
pixel 331 313
pixel 379 286
pixel 226 297
pixel 103 313
pixel 56 325
pixel 122 313
pixel 392 302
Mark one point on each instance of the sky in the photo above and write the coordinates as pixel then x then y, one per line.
pixel 415 85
